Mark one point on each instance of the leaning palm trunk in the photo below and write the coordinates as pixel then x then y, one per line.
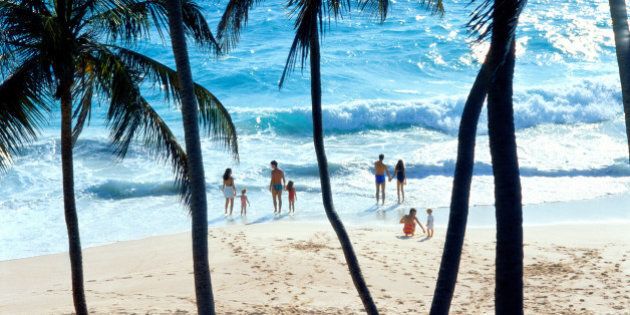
pixel 70 210
pixel 458 216
pixel 322 163
pixel 196 177
pixel 622 44
pixel 507 187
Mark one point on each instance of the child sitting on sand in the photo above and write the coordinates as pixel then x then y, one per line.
pixel 429 223
pixel 292 197
pixel 244 202
pixel 409 221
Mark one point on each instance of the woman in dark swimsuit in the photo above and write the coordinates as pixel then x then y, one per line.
pixel 401 180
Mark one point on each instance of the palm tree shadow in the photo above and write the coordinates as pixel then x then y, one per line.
pixel 262 219
pixel 216 220
pixel 390 208
pixel 280 217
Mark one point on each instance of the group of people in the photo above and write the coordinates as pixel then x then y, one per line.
pixel 410 220
pixel 380 170
pixel 277 185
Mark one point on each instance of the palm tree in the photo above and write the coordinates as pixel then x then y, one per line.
pixel 66 51
pixel 494 78
pixel 198 203
pixel 622 44
pixel 460 196
pixel 309 19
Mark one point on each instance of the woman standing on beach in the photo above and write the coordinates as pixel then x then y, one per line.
pixel 229 190
pixel 401 179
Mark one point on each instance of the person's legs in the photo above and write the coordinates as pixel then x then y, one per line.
pixel 383 192
pixel 377 193
pixel 231 205
pixel 398 187
pixel 226 205
pixel 279 194
pixel 402 191
pixel 275 204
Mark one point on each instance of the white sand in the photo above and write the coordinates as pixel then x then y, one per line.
pixel 297 268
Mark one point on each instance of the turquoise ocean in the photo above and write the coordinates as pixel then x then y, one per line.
pixel 396 88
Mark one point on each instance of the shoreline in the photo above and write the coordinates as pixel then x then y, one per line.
pixel 298 267
pixel 605 210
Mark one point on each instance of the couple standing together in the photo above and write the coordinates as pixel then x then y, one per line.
pixel 380 170
pixel 276 186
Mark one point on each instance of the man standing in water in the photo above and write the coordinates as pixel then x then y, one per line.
pixel 276 186
pixel 380 169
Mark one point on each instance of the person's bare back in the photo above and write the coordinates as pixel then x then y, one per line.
pixel 379 168
pixel 277 176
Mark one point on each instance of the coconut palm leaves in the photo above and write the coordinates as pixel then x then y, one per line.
pixel 22 108
pixel 100 69
pixel 66 50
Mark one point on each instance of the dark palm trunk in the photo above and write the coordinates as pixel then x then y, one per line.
pixel 322 163
pixel 507 187
pixel 458 216
pixel 70 210
pixel 198 204
pixel 622 44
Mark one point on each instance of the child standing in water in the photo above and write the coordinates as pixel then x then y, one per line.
pixel 401 180
pixel 292 197
pixel 409 221
pixel 429 223
pixel 244 202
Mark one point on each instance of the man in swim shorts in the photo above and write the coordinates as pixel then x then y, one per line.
pixel 276 186
pixel 380 169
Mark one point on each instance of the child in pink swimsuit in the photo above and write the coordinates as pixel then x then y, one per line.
pixel 292 197
pixel 244 202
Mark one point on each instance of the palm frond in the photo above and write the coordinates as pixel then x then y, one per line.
pixel 307 14
pixel 213 116
pixel 131 117
pixel 22 108
pixel 481 22
pixel 82 112
pixel 22 29
pixel 234 19
pixel 132 19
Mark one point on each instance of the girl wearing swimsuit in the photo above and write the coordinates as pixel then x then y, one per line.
pixel 401 180
pixel 229 190
pixel 292 197
pixel 409 221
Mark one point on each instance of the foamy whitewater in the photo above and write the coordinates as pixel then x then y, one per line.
pixel 396 88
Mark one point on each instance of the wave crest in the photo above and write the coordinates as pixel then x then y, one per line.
pixel 585 102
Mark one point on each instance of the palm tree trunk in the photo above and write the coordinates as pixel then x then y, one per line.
pixel 198 204
pixel 458 216
pixel 622 44
pixel 507 187
pixel 322 163
pixel 70 210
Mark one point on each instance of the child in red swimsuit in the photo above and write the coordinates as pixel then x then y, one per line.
pixel 292 197
pixel 409 221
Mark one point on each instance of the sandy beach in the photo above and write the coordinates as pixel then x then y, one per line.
pixel 298 268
